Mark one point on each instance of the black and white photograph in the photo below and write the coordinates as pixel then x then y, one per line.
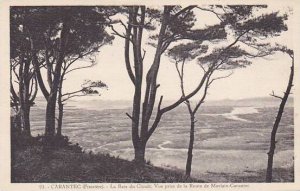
pixel 149 96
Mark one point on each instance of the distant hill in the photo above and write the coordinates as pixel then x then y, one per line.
pixel 98 103
pixel 257 102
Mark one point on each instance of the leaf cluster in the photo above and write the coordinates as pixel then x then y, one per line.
pixel 43 25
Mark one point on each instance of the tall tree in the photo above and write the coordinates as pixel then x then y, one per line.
pixel 23 84
pixel 247 30
pixel 23 99
pixel 279 113
pixel 69 65
pixel 175 24
pixel 182 54
pixel 57 35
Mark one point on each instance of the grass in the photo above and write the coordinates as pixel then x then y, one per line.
pixel 67 163
pixel 70 164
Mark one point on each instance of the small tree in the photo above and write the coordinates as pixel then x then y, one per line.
pixel 279 113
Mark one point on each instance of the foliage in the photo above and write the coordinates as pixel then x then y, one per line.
pixel 89 87
pixel 233 57
pixel 43 25
pixel 188 51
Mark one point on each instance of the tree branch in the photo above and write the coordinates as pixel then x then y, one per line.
pixel 159 103
pixel 221 77
pixel 276 96
pixel 70 93
pixel 80 68
pixel 126 52
pixel 129 116
pixel 186 9
pixel 209 10
pixel 71 96
pixel 93 50
pixel 118 34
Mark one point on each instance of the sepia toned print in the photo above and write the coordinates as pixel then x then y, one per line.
pixel 191 96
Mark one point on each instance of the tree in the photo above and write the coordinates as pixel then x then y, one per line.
pixel 22 100
pixel 87 88
pixel 224 58
pixel 180 55
pixel 175 24
pixel 22 74
pixel 279 113
pixel 67 67
pixel 58 35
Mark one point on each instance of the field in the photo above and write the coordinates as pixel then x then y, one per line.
pixel 230 140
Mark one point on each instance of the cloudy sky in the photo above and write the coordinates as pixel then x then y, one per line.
pixel 257 80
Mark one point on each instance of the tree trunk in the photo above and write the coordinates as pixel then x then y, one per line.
pixel 276 125
pixel 60 118
pixel 139 153
pixel 25 112
pixel 190 150
pixel 60 114
pixel 50 116
pixel 150 93
pixel 51 102
pixel 24 81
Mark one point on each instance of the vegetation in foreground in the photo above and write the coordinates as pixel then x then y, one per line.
pixel 68 163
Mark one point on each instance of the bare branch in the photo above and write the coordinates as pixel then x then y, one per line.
pixel 276 96
pixel 89 66
pixel 69 97
pixel 159 103
pixel 221 77
pixel 129 116
pixel 209 10
pixel 81 56
pixel 202 67
pixel 119 34
pixel 123 24
pixel 203 96
pixel 70 93
pixel 144 53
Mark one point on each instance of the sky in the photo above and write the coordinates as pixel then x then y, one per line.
pixel 257 80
